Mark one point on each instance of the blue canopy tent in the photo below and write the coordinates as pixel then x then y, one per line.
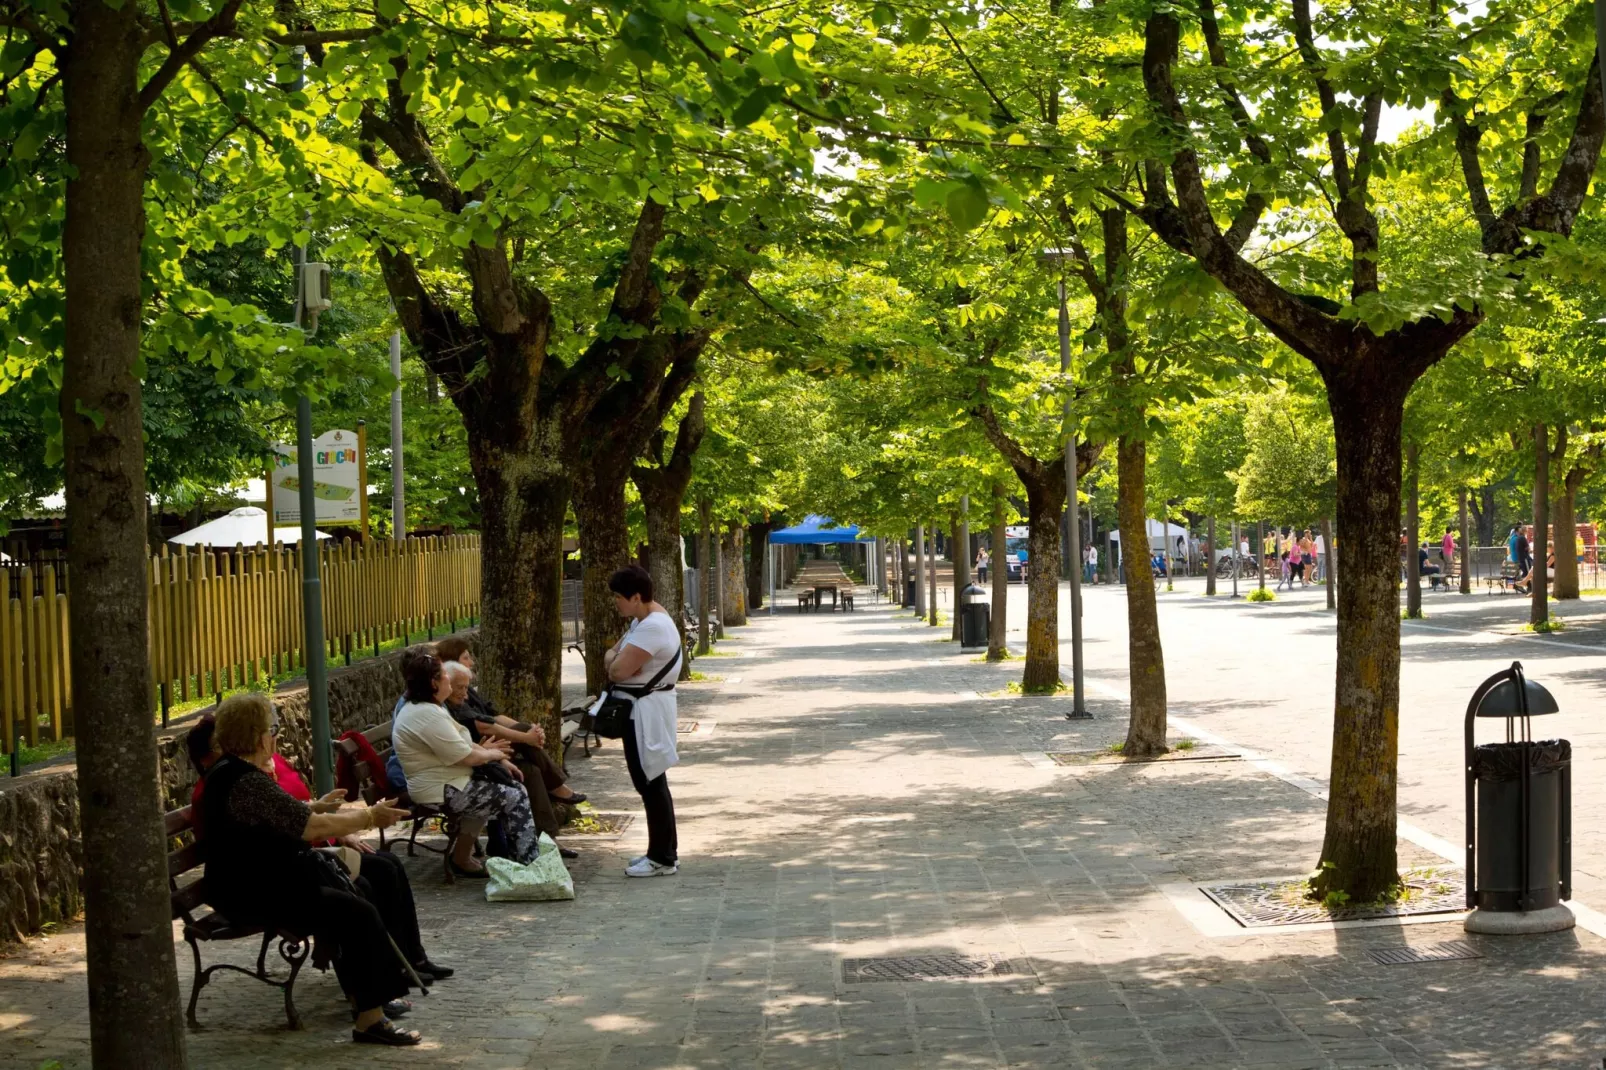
pixel 815 530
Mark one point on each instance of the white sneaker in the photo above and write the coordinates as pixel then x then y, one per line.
pixel 646 867
pixel 636 861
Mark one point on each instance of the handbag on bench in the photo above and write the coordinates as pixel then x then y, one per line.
pixel 611 718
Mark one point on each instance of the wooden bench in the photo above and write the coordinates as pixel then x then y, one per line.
pixel 1506 581
pixel 378 737
pixel 847 600
pixel 805 600
pixel 188 899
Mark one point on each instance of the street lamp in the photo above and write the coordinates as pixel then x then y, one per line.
pixel 1057 257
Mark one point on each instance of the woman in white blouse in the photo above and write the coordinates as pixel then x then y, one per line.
pixel 650 646
pixel 439 760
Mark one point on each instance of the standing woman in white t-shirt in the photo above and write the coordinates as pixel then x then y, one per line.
pixel 650 644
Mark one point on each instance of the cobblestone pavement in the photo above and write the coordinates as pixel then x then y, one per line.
pixel 867 791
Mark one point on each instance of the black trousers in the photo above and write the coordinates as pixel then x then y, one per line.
pixel 383 882
pixel 662 844
pixel 352 928
pixel 542 776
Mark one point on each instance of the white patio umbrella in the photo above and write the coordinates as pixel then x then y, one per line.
pixel 246 525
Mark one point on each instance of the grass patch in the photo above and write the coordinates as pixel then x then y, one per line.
pixel 1261 594
pixel 715 653
pixel 1183 744
pixel 1017 688
pixel 1545 627
pixel 590 823
pixel 1116 748
pixel 1008 656
pixel 701 677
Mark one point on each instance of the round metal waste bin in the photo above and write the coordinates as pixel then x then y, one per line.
pixel 975 617
pixel 1519 813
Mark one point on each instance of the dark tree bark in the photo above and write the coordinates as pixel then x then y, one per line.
pixel 1539 587
pixel 1367 378
pixel 1331 563
pixel 960 560
pixel 758 542
pixel 920 571
pixel 1464 550
pixel 733 610
pixel 1210 564
pixel 1483 508
pixel 527 418
pixel 1146 724
pixel 663 492
pixel 998 622
pixel 1564 517
pixel 1413 533
pixel 931 578
pixel 705 576
pixel 1044 480
pixel 134 1018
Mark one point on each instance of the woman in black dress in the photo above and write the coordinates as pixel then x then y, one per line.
pixel 261 868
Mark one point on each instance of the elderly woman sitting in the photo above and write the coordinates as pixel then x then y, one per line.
pixel 542 777
pixel 439 757
pixel 261 868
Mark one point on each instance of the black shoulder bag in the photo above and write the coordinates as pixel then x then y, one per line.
pixel 612 719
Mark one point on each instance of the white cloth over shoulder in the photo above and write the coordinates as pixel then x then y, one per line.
pixel 655 713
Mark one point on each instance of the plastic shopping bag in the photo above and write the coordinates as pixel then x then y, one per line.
pixel 544 878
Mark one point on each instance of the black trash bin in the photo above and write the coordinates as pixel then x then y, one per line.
pixel 1519 813
pixel 975 617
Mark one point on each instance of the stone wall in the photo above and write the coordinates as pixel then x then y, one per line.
pixel 40 847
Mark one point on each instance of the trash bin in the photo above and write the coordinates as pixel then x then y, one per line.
pixel 975 617
pixel 1519 813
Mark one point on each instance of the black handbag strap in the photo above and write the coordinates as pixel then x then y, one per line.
pixel 640 690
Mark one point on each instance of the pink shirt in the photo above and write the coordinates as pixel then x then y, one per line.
pixel 1448 545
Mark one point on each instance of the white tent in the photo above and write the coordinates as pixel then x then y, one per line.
pixel 1171 532
pixel 244 526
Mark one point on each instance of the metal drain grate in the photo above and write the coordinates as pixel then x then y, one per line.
pixel 1282 902
pixel 927 968
pixel 1400 956
pixel 686 727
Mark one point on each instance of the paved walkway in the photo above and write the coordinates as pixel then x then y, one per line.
pixel 857 797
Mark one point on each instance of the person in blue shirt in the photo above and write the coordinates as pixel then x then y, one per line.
pixel 1511 546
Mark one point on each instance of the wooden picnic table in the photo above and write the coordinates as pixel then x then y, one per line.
pixel 822 577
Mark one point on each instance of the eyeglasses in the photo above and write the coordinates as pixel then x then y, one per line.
pixel 273 728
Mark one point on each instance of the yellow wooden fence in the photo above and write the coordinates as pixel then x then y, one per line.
pixel 220 620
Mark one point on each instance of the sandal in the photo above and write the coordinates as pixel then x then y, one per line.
pixel 384 1031
pixel 472 874
pixel 569 800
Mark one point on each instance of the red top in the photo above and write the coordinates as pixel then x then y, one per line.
pixel 287 778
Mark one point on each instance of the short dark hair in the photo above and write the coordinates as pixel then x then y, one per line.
pixel 420 673
pixel 412 654
pixel 198 741
pixel 452 648
pixel 631 580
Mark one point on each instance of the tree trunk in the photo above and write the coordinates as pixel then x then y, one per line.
pixel 734 610
pixel 1464 550
pixel 524 498
pixel 1146 726
pixel 1413 534
pixel 718 546
pixel 1209 562
pixel 1539 607
pixel 1330 580
pixel 1565 522
pixel 758 541
pixel 599 509
pixel 1260 552
pixel 960 560
pixel 134 1016
pixel 998 574
pixel 663 494
pixel 1045 502
pixel 1358 852
pixel 920 571
pixel 664 561
pixel 705 576
pixel 931 578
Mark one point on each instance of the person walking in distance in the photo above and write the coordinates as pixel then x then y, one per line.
pixel 641 664
pixel 1447 548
